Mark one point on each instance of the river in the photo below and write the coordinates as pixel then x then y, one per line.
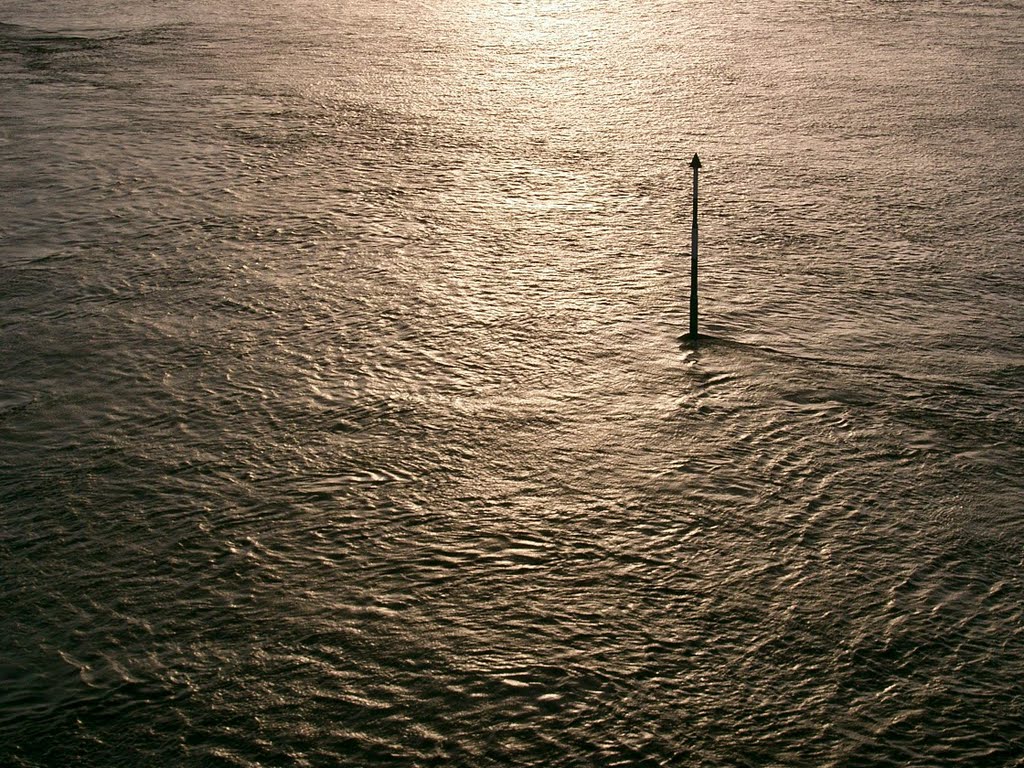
pixel 346 418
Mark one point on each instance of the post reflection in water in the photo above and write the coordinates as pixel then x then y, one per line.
pixel 346 419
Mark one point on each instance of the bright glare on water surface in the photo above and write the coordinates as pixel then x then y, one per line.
pixel 345 421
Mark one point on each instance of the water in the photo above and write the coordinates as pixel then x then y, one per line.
pixel 344 417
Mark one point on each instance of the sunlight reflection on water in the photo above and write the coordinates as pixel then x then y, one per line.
pixel 346 419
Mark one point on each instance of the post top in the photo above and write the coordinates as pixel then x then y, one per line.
pixel 695 163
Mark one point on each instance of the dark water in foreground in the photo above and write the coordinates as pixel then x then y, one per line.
pixel 344 418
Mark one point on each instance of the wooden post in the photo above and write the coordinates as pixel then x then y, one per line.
pixel 695 164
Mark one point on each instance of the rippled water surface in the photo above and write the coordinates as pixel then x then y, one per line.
pixel 345 418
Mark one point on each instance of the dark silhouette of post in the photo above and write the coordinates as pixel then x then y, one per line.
pixel 695 164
